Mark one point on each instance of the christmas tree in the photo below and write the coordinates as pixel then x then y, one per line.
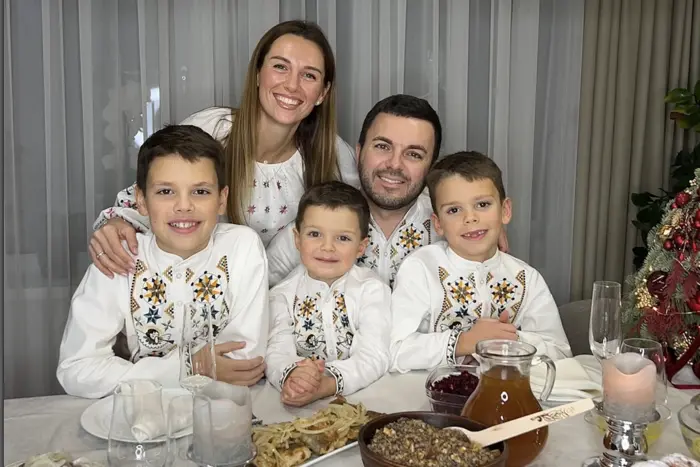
pixel 664 299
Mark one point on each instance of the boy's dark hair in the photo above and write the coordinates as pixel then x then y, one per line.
pixel 334 195
pixel 187 141
pixel 403 105
pixel 471 166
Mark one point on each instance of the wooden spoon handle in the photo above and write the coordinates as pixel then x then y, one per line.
pixel 513 428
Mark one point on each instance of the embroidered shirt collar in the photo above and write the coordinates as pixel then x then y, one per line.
pixel 465 264
pixel 164 259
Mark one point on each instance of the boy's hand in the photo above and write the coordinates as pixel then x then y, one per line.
pixel 326 389
pixel 485 328
pixel 306 377
pixel 106 250
pixel 234 371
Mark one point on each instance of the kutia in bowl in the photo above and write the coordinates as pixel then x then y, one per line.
pixel 449 386
pixel 387 440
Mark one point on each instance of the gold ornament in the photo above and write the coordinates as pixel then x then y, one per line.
pixel 676 218
pixel 665 232
pixel 644 298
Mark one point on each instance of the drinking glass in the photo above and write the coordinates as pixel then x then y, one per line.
pixel 223 426
pixel 651 350
pixel 137 426
pixel 605 330
pixel 180 413
pixel 197 355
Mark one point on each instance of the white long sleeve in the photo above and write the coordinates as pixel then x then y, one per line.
pixel 282 255
pixel 281 355
pixel 413 347
pixel 439 295
pixel 87 364
pixel 230 275
pixel 346 324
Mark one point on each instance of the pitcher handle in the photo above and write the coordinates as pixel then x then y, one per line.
pixel 551 375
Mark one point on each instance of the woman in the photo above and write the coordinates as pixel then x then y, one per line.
pixel 281 140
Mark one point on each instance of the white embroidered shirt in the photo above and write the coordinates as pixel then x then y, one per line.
pixel 229 276
pixel 346 324
pixel 439 295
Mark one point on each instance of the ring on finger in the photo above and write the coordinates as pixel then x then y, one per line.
pixel 99 254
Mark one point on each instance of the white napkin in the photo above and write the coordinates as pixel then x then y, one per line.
pixel 147 416
pixel 672 460
pixel 572 381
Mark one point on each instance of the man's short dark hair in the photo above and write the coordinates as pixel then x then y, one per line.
pixel 334 195
pixel 187 141
pixel 403 105
pixel 471 166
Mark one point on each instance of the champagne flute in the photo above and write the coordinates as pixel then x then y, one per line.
pixel 653 351
pixel 197 355
pixel 605 330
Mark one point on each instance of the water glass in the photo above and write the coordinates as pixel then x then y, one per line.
pixel 223 425
pixel 180 413
pixel 136 432
pixel 651 350
pixel 605 331
pixel 197 354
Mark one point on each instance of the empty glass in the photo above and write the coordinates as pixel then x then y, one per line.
pixel 605 331
pixel 180 413
pixel 223 426
pixel 137 428
pixel 197 355
pixel 651 350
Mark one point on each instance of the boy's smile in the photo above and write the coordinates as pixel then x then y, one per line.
pixel 470 216
pixel 183 202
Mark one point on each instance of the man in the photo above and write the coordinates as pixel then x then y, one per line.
pixel 399 142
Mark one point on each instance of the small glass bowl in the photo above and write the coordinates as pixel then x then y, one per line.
pixel 689 420
pixel 652 432
pixel 443 402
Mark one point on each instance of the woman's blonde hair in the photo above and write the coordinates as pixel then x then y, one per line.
pixel 315 137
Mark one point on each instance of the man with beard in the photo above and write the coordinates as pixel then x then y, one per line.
pixel 399 142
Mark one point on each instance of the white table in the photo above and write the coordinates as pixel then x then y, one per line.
pixel 42 424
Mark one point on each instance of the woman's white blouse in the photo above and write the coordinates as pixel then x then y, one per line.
pixel 276 191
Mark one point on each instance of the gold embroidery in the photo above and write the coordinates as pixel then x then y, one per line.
pixel 223 267
pixel 189 274
pixel 168 273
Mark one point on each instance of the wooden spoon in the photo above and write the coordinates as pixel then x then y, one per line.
pixel 513 428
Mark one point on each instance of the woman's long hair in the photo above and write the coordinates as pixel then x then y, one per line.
pixel 315 136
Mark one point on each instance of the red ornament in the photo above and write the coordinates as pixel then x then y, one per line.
pixel 696 223
pixel 674 205
pixel 681 256
pixel 668 245
pixel 656 283
pixel 694 305
pixel 679 239
pixel 697 215
pixel 682 199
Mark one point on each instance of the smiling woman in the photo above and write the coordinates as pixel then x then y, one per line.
pixel 280 141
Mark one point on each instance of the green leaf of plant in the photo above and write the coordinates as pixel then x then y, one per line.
pixel 697 91
pixel 646 215
pixel 678 96
pixel 641 199
pixel 639 250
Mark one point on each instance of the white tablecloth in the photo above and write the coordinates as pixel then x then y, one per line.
pixel 42 424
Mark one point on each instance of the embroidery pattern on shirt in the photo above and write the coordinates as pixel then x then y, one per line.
pixel 153 314
pixel 459 296
pixel 309 338
pixel 341 322
pixel 507 295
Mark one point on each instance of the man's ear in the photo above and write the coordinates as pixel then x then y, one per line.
pixel 223 201
pixel 141 202
pixel 436 223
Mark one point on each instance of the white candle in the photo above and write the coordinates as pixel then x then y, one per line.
pixel 629 387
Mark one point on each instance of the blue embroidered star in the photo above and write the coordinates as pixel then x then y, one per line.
pixel 344 320
pixel 461 313
pixel 308 325
pixel 152 316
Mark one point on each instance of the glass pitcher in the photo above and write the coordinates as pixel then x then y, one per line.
pixel 504 393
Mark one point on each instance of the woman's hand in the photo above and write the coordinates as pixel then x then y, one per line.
pixel 106 248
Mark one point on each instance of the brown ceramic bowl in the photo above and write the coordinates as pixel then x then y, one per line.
pixel 440 420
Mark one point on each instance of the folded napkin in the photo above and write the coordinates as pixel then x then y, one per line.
pixel 672 460
pixel 145 412
pixel 572 381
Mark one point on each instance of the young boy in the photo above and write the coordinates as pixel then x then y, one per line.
pixel 450 295
pixel 330 318
pixel 186 258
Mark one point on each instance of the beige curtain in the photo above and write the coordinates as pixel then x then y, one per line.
pixel 634 51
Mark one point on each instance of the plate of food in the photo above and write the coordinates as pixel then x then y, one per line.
pixel 307 441
pixel 56 459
